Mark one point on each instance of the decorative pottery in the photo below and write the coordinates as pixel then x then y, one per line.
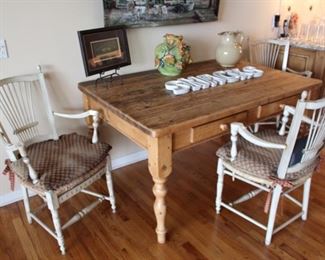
pixel 172 55
pixel 229 49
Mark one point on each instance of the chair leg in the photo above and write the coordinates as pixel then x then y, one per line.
pixel 305 199
pixel 53 205
pixel 274 205
pixel 256 127
pixel 109 182
pixel 277 122
pixel 220 172
pixel 26 203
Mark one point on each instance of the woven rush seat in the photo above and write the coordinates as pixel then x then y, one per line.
pixel 62 164
pixel 259 164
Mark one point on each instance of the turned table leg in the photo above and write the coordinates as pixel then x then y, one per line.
pixel 160 166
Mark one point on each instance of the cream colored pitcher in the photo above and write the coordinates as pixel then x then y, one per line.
pixel 229 48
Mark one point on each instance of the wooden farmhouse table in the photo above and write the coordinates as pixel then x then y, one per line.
pixel 151 116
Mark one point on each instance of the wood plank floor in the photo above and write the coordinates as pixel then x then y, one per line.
pixel 194 230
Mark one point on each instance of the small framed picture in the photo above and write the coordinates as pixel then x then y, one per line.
pixel 104 49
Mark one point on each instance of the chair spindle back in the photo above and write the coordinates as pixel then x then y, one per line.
pixel 314 139
pixel 20 109
pixel 267 52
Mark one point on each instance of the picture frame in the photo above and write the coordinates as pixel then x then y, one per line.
pixel 150 13
pixel 104 49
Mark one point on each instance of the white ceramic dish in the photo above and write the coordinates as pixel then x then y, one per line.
pixel 258 73
pixel 195 88
pixel 203 83
pixel 196 84
pixel 185 81
pixel 213 79
pixel 192 83
pixel 171 85
pixel 180 91
pixel 235 75
pixel 208 80
pixel 241 74
pixel 248 68
pixel 221 81
pixel 222 74
pixel 182 85
pixel 249 75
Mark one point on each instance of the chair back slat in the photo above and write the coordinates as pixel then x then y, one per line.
pixel 17 109
pixel 266 53
pixel 23 106
pixel 316 135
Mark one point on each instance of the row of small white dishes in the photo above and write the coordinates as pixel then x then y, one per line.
pixel 204 81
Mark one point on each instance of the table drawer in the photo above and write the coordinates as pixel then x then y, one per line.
pixel 209 130
pixel 274 108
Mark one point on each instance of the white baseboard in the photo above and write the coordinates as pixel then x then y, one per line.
pixel 16 195
pixel 129 159
pixel 10 197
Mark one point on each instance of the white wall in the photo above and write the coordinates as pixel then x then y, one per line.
pixel 301 7
pixel 45 32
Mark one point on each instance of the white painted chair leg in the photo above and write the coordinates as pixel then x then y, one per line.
pixel 256 127
pixel 109 182
pixel 246 197
pixel 305 199
pixel 277 122
pixel 274 205
pixel 220 172
pixel 53 205
pixel 26 203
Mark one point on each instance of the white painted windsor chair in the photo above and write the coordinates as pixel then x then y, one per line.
pixel 54 167
pixel 273 162
pixel 266 53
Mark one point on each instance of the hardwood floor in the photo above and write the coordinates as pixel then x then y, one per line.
pixel 194 229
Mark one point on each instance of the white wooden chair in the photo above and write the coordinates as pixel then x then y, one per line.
pixel 266 53
pixel 54 167
pixel 273 162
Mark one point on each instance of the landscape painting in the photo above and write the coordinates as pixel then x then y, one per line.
pixel 149 13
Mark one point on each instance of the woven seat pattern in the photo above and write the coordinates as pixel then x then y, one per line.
pixel 62 164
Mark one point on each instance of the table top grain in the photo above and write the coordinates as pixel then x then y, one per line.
pixel 143 101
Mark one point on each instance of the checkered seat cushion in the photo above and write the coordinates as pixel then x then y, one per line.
pixel 62 164
pixel 260 164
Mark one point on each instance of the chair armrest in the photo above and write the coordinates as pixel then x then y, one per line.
pixel 305 73
pixel 77 116
pixel 93 113
pixel 31 172
pixel 239 128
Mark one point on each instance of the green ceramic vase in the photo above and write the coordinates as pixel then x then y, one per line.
pixel 172 55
